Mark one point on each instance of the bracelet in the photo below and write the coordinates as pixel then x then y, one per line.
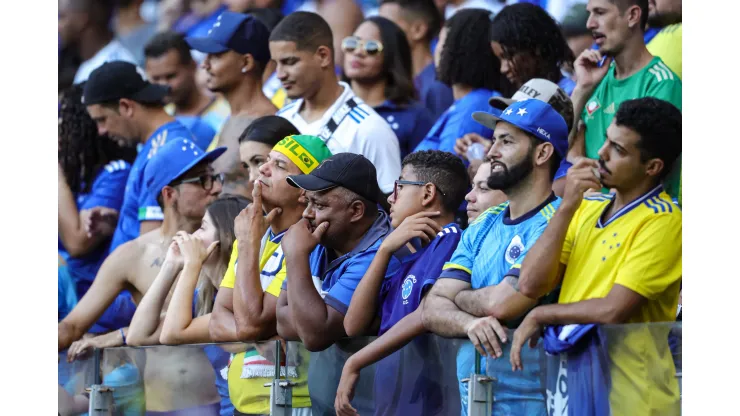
pixel 123 336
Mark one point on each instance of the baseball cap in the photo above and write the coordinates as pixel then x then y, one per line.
pixel 173 160
pixel 535 117
pixel 303 150
pixel 348 170
pixel 574 22
pixel 543 90
pixel 118 79
pixel 238 32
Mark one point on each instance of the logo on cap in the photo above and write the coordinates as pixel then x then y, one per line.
pixel 543 132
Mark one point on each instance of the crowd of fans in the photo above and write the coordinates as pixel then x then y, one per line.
pixel 320 169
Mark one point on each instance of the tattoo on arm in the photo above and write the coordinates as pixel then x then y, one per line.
pixel 157 262
pixel 513 281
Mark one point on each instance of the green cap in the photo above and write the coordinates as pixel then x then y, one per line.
pixel 304 150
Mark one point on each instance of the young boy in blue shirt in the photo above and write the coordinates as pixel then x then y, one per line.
pixel 431 187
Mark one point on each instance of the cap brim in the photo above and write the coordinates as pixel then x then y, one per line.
pixel 205 157
pixel 310 183
pixel 152 93
pixel 486 119
pixel 206 45
pixel 500 103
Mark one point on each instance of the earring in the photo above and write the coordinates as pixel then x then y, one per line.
pixel 244 70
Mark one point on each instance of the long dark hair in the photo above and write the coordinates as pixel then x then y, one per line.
pixel 82 152
pixel 467 57
pixel 397 72
pixel 223 211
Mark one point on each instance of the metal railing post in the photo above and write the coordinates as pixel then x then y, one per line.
pixel 281 390
pixel 480 391
pixel 101 400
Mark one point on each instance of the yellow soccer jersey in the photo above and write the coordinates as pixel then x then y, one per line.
pixel 639 248
pixel 667 45
pixel 245 385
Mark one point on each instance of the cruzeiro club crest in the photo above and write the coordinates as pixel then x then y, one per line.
pixel 515 249
pixel 408 285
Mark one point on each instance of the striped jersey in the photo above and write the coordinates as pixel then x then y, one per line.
pixel 654 80
pixel 361 131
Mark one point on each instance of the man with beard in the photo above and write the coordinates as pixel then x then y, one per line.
pixel 621 69
pixel 667 43
pixel 478 292
pixel 238 51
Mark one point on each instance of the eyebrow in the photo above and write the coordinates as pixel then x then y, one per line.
pixel 502 135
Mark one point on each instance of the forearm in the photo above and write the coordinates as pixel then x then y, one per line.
pixel 180 312
pixel 222 327
pixel 309 312
pixel 441 316
pixel 399 335
pixel 364 304
pixel 71 232
pixel 285 326
pixel 145 324
pixel 539 272
pixel 502 301
pixel 68 333
pixel 253 320
pixel 592 311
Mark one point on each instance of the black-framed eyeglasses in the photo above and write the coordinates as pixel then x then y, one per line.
pixel 415 183
pixel 205 180
pixel 370 47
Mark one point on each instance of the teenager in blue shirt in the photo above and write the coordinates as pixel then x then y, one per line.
pixel 420 20
pixel 377 65
pixel 431 187
pixel 464 62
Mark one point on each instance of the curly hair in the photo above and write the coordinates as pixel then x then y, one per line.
pixel 467 57
pixel 82 152
pixel 445 170
pixel 658 123
pixel 528 28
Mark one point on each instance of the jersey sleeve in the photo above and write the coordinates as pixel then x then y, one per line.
pixel 341 292
pixel 380 146
pixel 230 275
pixel 460 265
pixel 668 89
pixel 654 260
pixel 109 186
pixel 276 285
pixel 437 258
pixel 149 209
pixel 460 124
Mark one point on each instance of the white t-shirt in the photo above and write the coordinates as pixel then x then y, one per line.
pixel 361 131
pixel 114 51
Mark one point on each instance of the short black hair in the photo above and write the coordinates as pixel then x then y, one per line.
pixel 643 4
pixel 397 70
pixel 163 42
pixel 307 30
pixel 467 57
pixel 424 9
pixel 525 27
pixel 268 130
pixel 443 169
pixel 658 123
pixel 269 17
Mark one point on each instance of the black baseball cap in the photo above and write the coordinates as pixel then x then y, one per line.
pixel 118 79
pixel 348 170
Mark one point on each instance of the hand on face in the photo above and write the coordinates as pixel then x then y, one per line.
pixel 251 223
pixel 582 177
pixel 588 72
pixel 299 239
pixel 420 225
pixel 192 248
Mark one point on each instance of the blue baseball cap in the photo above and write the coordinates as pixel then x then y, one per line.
pixel 535 117
pixel 173 160
pixel 238 32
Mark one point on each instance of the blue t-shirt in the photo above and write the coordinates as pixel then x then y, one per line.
pixel 340 276
pixel 457 121
pixel 410 123
pixel 138 204
pixel 417 389
pixel 106 191
pixel 493 247
pixel 433 94
pixel 201 130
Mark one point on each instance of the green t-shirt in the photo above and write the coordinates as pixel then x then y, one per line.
pixel 654 80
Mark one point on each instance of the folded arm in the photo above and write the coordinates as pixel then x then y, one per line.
pixel 440 314
pixel 502 301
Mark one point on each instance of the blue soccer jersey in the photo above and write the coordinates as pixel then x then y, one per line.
pixel 493 247
pixel 417 390
pixel 106 191
pixel 138 204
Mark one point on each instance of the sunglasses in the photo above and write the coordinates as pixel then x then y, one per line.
pixel 370 47
pixel 414 183
pixel 206 181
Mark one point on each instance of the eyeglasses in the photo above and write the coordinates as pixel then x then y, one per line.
pixel 206 181
pixel 415 183
pixel 370 47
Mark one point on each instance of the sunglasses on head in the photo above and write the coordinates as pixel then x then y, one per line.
pixel 205 180
pixel 370 47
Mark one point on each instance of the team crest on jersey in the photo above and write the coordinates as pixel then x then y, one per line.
pixel 515 249
pixel 592 106
pixel 407 287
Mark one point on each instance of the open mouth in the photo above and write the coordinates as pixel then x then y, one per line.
pixel 599 39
